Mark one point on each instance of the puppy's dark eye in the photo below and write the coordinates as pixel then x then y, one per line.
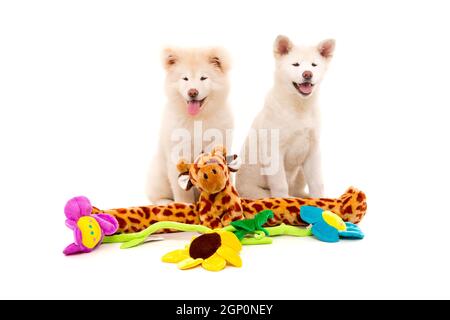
pixel 185 79
pixel 296 64
pixel 203 78
pixel 314 64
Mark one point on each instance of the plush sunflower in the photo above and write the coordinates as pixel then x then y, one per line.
pixel 212 250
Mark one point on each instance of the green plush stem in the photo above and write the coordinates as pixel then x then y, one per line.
pixel 284 229
pixel 256 241
pixel 229 228
pixel 130 240
pixel 135 239
pixel 259 234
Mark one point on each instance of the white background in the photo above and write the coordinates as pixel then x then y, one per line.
pixel 81 92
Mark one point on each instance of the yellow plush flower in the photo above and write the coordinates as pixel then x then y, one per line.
pixel 212 250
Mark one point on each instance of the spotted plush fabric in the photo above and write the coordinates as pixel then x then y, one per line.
pixel 219 203
pixel 351 207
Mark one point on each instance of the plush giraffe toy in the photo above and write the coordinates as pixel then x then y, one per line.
pixel 219 203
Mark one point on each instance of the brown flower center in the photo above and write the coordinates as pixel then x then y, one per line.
pixel 205 245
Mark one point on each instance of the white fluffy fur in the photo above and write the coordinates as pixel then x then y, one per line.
pixel 297 118
pixel 191 64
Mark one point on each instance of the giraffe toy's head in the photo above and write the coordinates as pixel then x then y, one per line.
pixel 210 172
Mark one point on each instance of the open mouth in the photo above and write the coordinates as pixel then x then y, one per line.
pixel 305 88
pixel 194 106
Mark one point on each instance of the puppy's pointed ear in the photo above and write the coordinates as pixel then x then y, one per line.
pixel 326 48
pixel 219 58
pixel 234 162
pixel 282 46
pixel 169 57
pixel 219 150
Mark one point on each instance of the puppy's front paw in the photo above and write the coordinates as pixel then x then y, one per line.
pixel 279 194
pixel 163 202
pixel 316 191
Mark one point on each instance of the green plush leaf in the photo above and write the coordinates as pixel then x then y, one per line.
pixel 247 225
pixel 262 217
pixel 240 234
pixel 264 230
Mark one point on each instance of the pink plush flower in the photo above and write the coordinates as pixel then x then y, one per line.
pixel 88 229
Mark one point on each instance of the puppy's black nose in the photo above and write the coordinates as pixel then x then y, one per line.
pixel 193 93
pixel 205 176
pixel 307 75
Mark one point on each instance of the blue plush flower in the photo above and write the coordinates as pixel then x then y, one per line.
pixel 328 226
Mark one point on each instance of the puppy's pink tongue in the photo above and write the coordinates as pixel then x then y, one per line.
pixel 305 88
pixel 193 107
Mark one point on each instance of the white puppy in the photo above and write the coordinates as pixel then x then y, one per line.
pixel 195 119
pixel 291 107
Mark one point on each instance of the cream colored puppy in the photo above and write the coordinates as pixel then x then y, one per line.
pixel 196 117
pixel 290 107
